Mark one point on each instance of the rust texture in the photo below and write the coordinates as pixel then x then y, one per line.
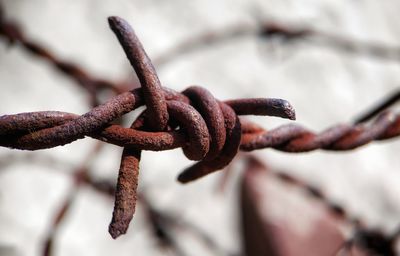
pixel 208 130
pixel 295 138
pixel 151 86
pixel 126 192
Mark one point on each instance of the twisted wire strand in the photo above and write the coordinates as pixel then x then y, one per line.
pixel 38 130
pixel 294 138
pixel 34 130
pixel 46 129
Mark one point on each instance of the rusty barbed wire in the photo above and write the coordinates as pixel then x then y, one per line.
pixel 208 130
pixel 294 138
pixel 46 129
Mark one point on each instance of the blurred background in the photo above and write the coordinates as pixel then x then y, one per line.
pixel 348 63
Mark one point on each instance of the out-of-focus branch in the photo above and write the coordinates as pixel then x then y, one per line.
pixel 10 31
pixel 286 33
pixel 79 178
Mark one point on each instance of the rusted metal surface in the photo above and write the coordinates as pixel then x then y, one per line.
pixel 228 152
pixel 295 138
pixel 31 131
pixel 126 192
pixel 213 116
pixel 151 86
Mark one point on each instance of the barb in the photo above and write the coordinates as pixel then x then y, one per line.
pixel 154 98
pixel 126 192
pixel 157 118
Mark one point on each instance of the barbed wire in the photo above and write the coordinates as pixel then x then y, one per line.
pixel 208 130
pixel 295 138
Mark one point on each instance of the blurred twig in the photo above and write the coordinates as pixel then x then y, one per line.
pixel 287 33
pixel 391 99
pixel 10 31
pixel 79 177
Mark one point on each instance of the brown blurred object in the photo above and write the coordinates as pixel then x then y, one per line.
pixel 277 220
